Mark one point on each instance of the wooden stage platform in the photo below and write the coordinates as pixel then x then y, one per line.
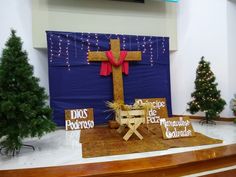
pixel 167 165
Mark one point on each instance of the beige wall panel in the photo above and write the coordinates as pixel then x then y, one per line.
pixel 103 16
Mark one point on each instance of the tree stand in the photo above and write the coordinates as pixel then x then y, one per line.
pixel 15 151
pixel 207 120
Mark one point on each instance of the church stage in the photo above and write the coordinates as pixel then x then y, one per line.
pixel 60 153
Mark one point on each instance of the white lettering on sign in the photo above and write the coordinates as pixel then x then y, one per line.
pixel 77 119
pixel 156 104
pixel 176 134
pixel 75 125
pixel 152 117
pixel 79 113
pixel 179 123
pixel 176 127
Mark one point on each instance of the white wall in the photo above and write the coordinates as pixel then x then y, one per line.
pixel 232 45
pixel 202 31
pixel 18 15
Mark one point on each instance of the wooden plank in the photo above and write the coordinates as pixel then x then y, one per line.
pixel 133 56
pixel 118 88
pixel 132 120
pixel 226 119
pixel 132 113
pixel 168 165
pixel 97 56
pixel 133 129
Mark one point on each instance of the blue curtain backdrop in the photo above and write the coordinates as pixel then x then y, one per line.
pixel 75 83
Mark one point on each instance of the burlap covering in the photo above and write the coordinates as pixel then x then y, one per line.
pixel 103 141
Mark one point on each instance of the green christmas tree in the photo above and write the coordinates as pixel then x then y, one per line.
pixel 206 97
pixel 23 109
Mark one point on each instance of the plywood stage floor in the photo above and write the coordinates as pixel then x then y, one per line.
pixel 103 141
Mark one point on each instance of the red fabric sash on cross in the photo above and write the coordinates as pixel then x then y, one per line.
pixel 106 66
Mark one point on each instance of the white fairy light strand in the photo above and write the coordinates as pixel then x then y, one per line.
pixel 163 45
pixel 88 46
pixel 123 42
pixel 67 52
pixel 82 41
pixel 97 41
pixel 59 53
pixel 88 42
pixel 138 43
pixel 144 44
pixel 51 48
pixel 151 50
pixel 59 45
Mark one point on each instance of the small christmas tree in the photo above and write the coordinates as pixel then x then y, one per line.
pixel 23 112
pixel 206 97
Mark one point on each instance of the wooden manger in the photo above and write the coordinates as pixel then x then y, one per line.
pixel 132 119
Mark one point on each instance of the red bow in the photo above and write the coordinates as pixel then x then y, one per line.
pixel 106 68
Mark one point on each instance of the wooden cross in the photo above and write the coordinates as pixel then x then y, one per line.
pixel 118 91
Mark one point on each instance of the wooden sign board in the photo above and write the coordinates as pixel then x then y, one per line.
pixel 77 119
pixel 160 110
pixel 176 127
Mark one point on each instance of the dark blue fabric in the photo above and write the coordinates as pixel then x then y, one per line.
pixel 75 83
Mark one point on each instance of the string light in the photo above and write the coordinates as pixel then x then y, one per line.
pixel 67 52
pixel 88 42
pixel 51 48
pixel 146 46
pixel 163 45
pixel 97 41
pixel 151 51
pixel 143 44
pixel 59 45
pixel 88 46
pixel 82 41
pixel 59 53
pixel 123 42
pixel 138 43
